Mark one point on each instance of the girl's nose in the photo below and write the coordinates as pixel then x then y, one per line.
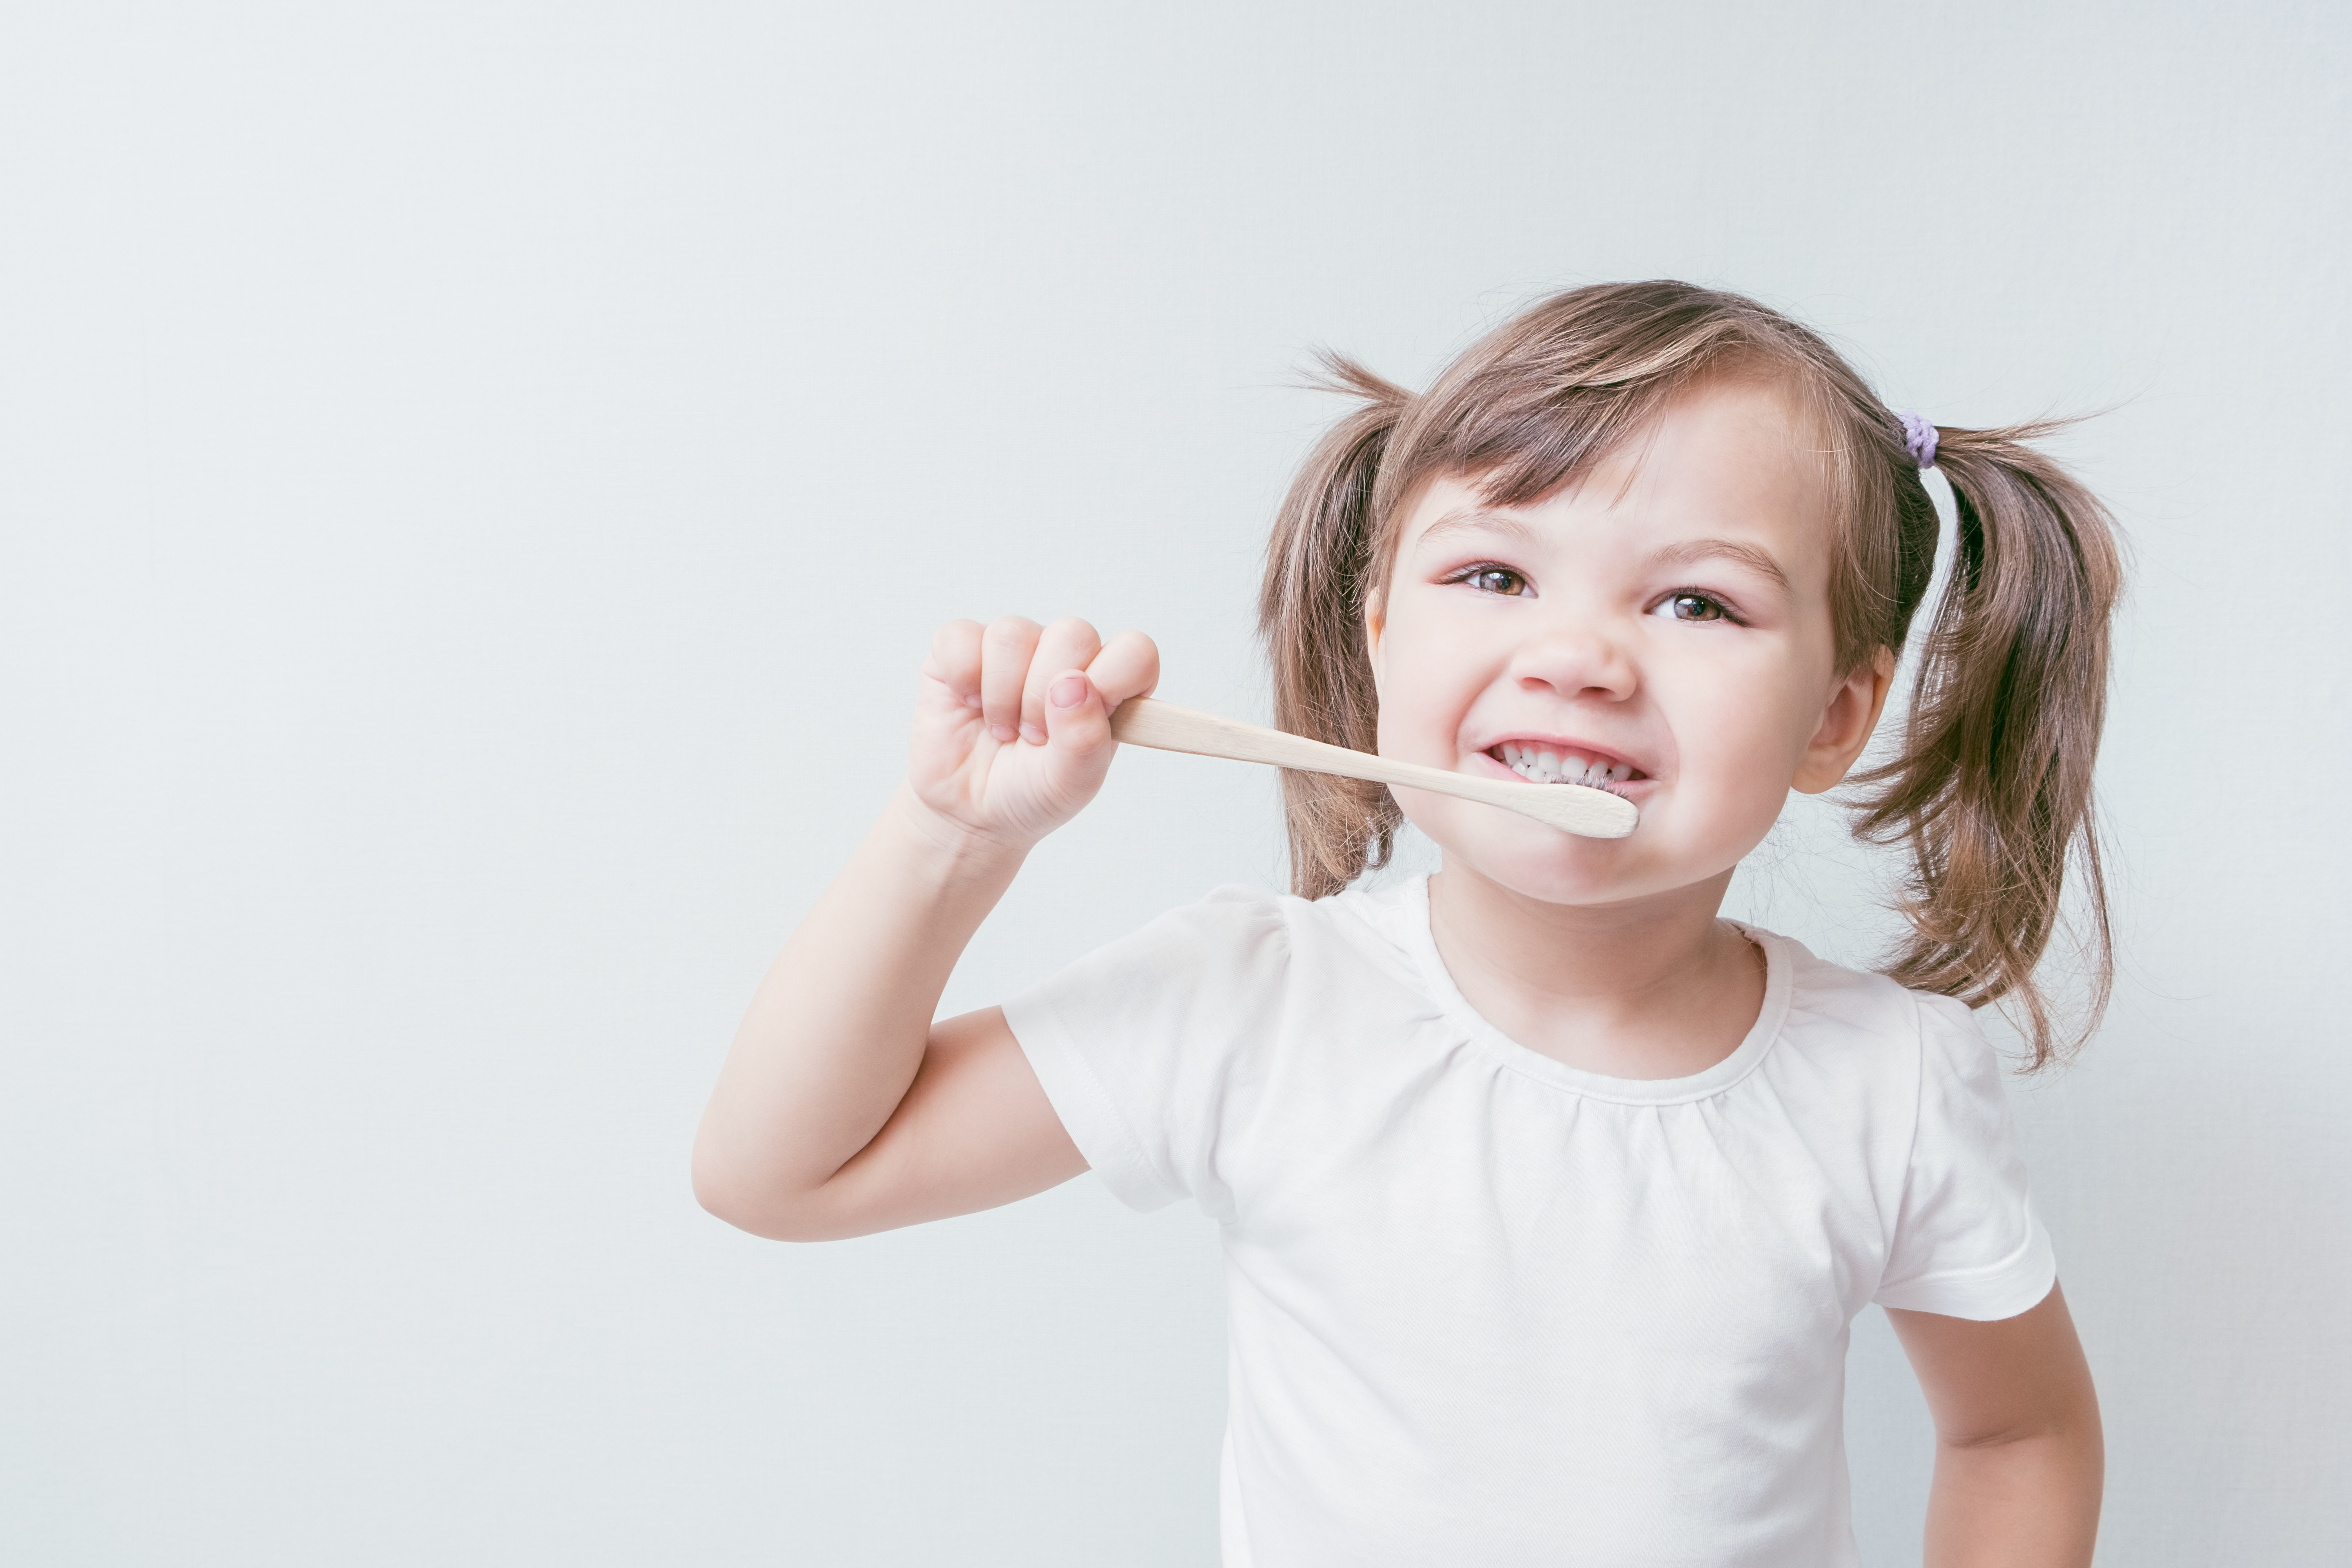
pixel 1583 656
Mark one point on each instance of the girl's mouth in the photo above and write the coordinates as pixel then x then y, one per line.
pixel 1546 765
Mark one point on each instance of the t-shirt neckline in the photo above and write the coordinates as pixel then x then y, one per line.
pixel 1412 927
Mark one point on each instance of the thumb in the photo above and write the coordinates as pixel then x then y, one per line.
pixel 1078 743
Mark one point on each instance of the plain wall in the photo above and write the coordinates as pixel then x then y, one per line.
pixel 478 481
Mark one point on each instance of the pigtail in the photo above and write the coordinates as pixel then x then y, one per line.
pixel 1992 791
pixel 1311 615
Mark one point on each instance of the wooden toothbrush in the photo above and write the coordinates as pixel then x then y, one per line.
pixel 1164 726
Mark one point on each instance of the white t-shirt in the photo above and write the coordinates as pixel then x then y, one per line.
pixel 1486 1308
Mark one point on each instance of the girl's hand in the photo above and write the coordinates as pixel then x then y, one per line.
pixel 1013 726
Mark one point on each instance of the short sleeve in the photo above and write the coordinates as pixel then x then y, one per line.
pixel 1966 1243
pixel 1150 1048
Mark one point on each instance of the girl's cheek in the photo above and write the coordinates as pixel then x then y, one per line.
pixel 1736 765
pixel 1423 701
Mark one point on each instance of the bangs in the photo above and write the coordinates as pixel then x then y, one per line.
pixel 1543 401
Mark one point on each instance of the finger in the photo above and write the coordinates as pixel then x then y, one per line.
pixel 1005 650
pixel 954 661
pixel 1128 665
pixel 1077 722
pixel 1068 644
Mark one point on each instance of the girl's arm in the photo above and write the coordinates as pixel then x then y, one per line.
pixel 842 1109
pixel 2019 1456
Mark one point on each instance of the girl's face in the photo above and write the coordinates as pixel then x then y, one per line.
pixel 1666 616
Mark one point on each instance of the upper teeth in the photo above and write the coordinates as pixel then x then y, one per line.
pixel 1552 767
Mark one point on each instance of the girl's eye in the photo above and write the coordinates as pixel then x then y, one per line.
pixel 1494 580
pixel 1692 607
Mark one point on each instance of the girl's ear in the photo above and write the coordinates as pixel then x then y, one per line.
pixel 1846 723
pixel 1375 623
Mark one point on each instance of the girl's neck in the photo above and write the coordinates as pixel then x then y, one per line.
pixel 1659 989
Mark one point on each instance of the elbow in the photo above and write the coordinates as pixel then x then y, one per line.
pixel 728 1192
pixel 716 1187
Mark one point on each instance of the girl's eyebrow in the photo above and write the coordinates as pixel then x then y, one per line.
pixel 1692 550
pixel 1477 520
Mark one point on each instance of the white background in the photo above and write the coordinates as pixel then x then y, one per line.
pixel 478 479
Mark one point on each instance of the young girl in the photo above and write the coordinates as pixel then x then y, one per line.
pixel 1547 1196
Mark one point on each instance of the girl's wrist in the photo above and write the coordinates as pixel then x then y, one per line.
pixel 960 851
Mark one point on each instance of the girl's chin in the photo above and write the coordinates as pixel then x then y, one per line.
pixel 1527 857
pixel 1544 864
pixel 1546 884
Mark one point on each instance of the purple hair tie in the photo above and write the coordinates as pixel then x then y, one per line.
pixel 1919 440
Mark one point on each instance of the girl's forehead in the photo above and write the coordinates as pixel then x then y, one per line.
pixel 1740 434
pixel 1723 450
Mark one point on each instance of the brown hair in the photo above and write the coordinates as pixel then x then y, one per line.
pixel 1992 790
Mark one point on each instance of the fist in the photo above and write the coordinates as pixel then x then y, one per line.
pixel 1013 726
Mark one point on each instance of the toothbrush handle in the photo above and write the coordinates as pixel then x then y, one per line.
pixel 1164 726
pixel 1141 721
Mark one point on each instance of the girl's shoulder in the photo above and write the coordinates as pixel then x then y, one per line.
pixel 1858 1020
pixel 1357 925
pixel 1835 997
pixel 1237 938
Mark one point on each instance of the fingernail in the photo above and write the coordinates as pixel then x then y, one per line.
pixel 1032 733
pixel 972 700
pixel 1068 691
pixel 1006 733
